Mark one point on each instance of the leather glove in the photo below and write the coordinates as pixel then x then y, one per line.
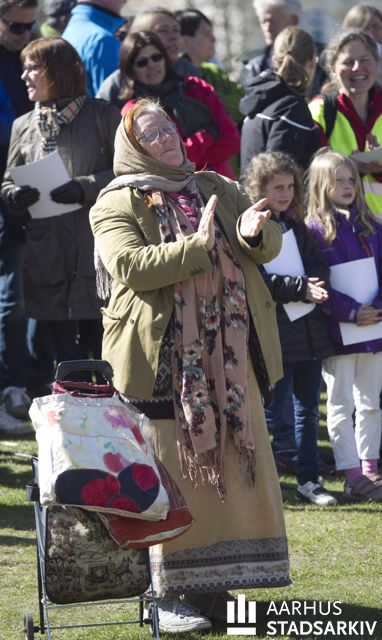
pixel 213 130
pixel 68 193
pixel 22 197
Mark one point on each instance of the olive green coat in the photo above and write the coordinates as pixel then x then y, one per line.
pixel 145 269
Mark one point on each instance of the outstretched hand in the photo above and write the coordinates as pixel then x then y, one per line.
pixel 206 228
pixel 254 219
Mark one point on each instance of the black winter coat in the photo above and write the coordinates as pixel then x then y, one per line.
pixel 276 119
pixel 305 338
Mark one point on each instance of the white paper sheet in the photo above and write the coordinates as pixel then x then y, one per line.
pixel 288 262
pixel 372 155
pixel 45 175
pixel 359 280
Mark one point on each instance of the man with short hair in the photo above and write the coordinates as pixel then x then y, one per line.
pixel 91 31
pixel 273 17
pixel 17 20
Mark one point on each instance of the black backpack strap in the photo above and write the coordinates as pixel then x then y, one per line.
pixel 330 112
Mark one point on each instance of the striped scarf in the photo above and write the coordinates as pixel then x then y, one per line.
pixel 50 121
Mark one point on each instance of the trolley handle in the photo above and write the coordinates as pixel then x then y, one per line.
pixel 97 366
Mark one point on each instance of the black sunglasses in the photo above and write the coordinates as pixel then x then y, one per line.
pixel 143 62
pixel 18 27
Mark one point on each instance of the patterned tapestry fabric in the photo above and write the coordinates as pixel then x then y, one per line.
pixel 210 361
pixel 50 120
pixel 235 564
pixel 161 405
pixel 82 562
pixel 236 544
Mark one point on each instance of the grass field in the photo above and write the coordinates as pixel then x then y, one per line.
pixel 335 555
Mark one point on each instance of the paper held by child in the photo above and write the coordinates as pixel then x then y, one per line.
pixel 288 262
pixel 359 280
pixel 371 155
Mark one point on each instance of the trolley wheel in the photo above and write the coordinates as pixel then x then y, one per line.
pixel 28 626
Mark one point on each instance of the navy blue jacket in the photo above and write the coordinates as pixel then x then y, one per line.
pixel 305 338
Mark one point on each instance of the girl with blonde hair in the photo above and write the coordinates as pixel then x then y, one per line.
pixel 344 226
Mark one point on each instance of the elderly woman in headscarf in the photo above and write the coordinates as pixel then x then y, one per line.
pixel 187 307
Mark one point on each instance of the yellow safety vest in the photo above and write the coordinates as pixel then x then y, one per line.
pixel 343 139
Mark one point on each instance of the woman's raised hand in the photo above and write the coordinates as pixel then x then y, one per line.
pixel 206 228
pixel 254 219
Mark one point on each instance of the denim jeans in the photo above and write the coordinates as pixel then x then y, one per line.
pixel 12 319
pixel 306 379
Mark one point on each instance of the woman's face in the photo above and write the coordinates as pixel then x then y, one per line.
pixel 343 192
pixel 168 30
pixel 355 69
pixel 201 46
pixel 149 66
pixel 34 78
pixel 280 192
pixel 159 137
pixel 374 29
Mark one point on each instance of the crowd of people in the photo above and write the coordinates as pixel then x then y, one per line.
pixel 218 241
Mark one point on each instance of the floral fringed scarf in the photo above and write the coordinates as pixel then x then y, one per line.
pixel 210 356
pixel 211 323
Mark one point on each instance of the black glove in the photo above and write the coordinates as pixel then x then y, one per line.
pixel 68 193
pixel 22 197
pixel 213 130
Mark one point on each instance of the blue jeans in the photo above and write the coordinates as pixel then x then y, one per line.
pixel 306 379
pixel 12 319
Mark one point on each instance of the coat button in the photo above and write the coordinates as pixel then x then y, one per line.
pixel 268 304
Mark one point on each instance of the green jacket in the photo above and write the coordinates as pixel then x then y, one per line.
pixel 145 269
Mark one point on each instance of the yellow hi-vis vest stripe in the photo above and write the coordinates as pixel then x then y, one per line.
pixel 343 139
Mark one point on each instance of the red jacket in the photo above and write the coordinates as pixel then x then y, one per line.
pixel 201 148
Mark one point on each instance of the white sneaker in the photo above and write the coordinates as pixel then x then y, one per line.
pixel 13 427
pixel 175 616
pixel 314 492
pixel 16 402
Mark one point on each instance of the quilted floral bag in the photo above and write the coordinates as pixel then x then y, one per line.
pixel 92 453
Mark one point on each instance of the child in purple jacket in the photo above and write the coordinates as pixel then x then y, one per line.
pixel 346 230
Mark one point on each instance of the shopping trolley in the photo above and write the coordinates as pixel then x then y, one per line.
pixel 78 563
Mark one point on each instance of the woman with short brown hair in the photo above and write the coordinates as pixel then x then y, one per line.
pixel 59 276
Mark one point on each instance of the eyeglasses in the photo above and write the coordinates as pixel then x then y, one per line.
pixel 153 135
pixel 32 68
pixel 18 27
pixel 143 62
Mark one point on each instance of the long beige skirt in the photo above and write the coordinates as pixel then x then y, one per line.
pixel 238 544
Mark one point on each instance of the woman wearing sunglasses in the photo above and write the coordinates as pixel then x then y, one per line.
pixel 208 132
pixel 59 275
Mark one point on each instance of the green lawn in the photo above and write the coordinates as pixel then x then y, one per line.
pixel 335 556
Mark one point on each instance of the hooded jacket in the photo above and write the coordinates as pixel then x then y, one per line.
pixel 276 119
pixel 145 270
pixel 90 31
